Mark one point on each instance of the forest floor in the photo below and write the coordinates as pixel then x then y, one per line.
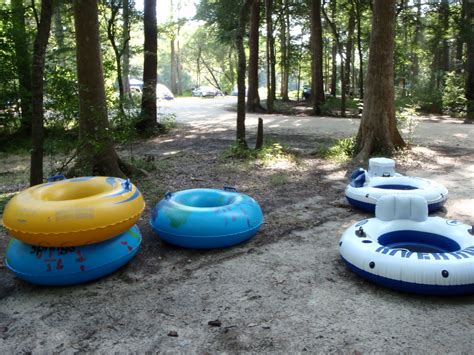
pixel 286 290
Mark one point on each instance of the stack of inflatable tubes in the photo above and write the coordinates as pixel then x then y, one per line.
pixel 404 249
pixel 72 231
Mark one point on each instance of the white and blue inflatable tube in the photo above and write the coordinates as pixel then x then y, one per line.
pixel 363 191
pixel 403 249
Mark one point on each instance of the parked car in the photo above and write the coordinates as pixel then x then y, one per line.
pixel 162 92
pixel 206 91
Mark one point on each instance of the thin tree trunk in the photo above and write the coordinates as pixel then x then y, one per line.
pixel 253 99
pixel 179 72
pixel 58 25
pixel 333 90
pixel 114 8
pixel 37 92
pixel 469 15
pixel 358 9
pixel 148 112
pixel 270 57
pixel 97 154
pixel 416 43
pixel 378 131
pixel 317 91
pixel 343 87
pixel 349 48
pixel 241 68
pixel 285 47
pixel 173 85
pixel 23 64
pixel 126 48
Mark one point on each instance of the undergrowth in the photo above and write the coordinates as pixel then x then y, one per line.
pixel 342 150
pixel 270 152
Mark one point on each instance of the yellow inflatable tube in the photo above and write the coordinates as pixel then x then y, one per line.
pixel 73 212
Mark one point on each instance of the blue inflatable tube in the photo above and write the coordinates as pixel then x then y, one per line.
pixel 206 218
pixel 71 265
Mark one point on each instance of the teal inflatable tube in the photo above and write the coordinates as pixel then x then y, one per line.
pixel 71 265
pixel 206 218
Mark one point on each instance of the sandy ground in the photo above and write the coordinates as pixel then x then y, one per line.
pixel 284 291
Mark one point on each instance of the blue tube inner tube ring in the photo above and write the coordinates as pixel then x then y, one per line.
pixel 206 218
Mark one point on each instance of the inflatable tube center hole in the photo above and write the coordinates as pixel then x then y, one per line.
pixel 416 241
pixel 396 187
pixel 206 199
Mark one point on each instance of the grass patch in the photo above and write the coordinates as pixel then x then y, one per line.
pixel 342 150
pixel 279 180
pixel 270 153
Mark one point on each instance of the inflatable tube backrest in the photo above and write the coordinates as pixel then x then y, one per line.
pixel 357 178
pixel 393 207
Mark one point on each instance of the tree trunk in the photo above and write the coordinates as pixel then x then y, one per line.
pixel 96 154
pixel 349 49
pixel 378 131
pixel 126 48
pixel 416 42
pixel 37 92
pixel 271 80
pixel 179 71
pixel 148 123
pixel 469 15
pixel 173 86
pixel 343 87
pixel 335 44
pixel 285 48
pixel 23 64
pixel 359 48
pixel 317 91
pixel 253 99
pixel 241 68
pixel 334 68
pixel 58 25
pixel 111 22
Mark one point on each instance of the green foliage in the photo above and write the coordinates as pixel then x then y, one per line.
pixel 334 103
pixel 269 152
pixel 454 100
pixel 167 122
pixel 407 121
pixel 428 98
pixel 342 150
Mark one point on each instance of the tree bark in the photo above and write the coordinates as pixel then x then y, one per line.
pixel 271 80
pixel 469 15
pixel 126 48
pixel 174 87
pixel 317 90
pixel 111 23
pixel 241 68
pixel 96 154
pixel 253 99
pixel 285 49
pixel 23 64
pixel 147 123
pixel 416 42
pixel 378 132
pixel 334 46
pixel 37 92
pixel 349 49
pixel 358 6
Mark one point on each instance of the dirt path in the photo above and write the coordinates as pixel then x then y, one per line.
pixel 284 291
